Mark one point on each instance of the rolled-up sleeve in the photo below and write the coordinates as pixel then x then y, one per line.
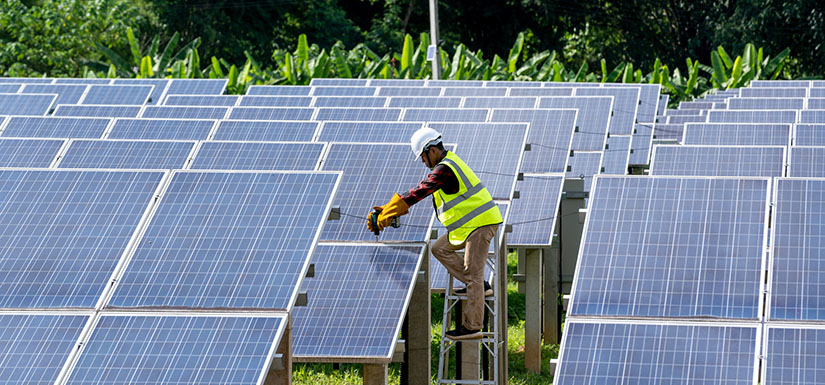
pixel 442 177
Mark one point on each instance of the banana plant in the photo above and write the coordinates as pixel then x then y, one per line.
pixel 739 72
pixel 153 62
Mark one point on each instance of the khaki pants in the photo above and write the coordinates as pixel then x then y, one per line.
pixel 469 269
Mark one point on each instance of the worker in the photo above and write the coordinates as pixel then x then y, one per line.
pixel 466 209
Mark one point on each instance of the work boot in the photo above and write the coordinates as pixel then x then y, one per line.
pixel 462 333
pixel 488 290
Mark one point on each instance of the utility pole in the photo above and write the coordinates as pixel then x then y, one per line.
pixel 433 53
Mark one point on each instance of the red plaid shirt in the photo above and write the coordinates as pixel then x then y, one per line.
pixel 441 178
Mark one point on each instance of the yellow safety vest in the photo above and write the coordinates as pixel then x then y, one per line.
pixel 469 208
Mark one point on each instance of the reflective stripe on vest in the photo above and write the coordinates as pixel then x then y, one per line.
pixel 469 208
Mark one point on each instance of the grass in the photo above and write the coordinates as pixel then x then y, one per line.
pixel 326 374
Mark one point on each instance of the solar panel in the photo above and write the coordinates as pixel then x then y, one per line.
pixel 511 83
pixel 197 86
pixel 26 104
pixel 121 94
pixel 30 153
pixel 780 83
pixel 380 132
pixel 718 161
pixel 745 134
pixel 475 91
pixel 157 92
pixel 499 102
pixel 397 83
pixel 583 165
pixel 663 102
pixel 664 131
pixel 372 173
pixel 648 99
pixel 251 130
pixel 454 83
pixel 816 103
pixel 687 112
pixel 350 101
pixel 347 315
pixel 82 81
pixel 604 352
pixel 625 104
pixel 27 80
pixel 55 127
pixel 570 84
pixel 794 355
pixel 817 83
pixel 184 112
pixel 766 103
pixel 592 120
pixel 616 156
pixel 343 91
pixel 554 91
pixel 62 232
pixel 646 253
pixel 258 156
pixel 816 92
pixel 130 154
pixel 276 101
pixel 10 88
pixel 359 114
pixel 202 100
pixel 66 93
pixel 682 119
pixel 550 136
pixel 773 92
pixel 445 115
pixel 797 251
pixel 183 349
pixel 271 113
pixel 99 111
pixel 279 90
pixel 424 101
pixel 36 346
pixel 812 116
pixel 161 129
pixel 409 91
pixel 533 215
pixel 339 82
pixel 806 162
pixel 641 144
pixel 809 135
pixel 255 233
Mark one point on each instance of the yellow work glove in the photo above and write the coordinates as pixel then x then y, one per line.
pixel 395 208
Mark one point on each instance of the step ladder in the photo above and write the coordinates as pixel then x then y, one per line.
pixel 490 344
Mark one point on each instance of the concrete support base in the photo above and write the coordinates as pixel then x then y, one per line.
pixel 375 374
pixel 532 321
pixel 280 373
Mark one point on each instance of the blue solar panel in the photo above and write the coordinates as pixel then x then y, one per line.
pixel 343 91
pixel 35 347
pixel 646 251
pixel 380 132
pixel 258 156
pixel 816 103
pixel 196 86
pixel 658 353
pixel 455 83
pixel 554 91
pixel 63 232
pixel 475 91
pixel 584 165
pixel 816 93
pixel 397 83
pixel 794 355
pixel 99 111
pixel 592 120
pixel 780 83
pixel 648 100
pixel 347 314
pixel 66 93
pixel 132 154
pixel 766 103
pixel 350 101
pixel 533 215
pixel 641 144
pixel 445 115
pixel 202 100
pixel 372 174
pixel 157 92
pixel 809 135
pixel 511 84
pixel 275 101
pixel 550 136
pixel 82 81
pixel 424 101
pixel 682 119
pixel 625 105
pixel 752 116
pixel 359 114
pixel 251 130
pixel 812 116
pixel 182 112
pixel 806 162
pixel 28 152
pixel 685 112
pixel 616 156
pixel 27 80
pixel 271 113
pixel 55 127
pixel 664 131
pixel 10 88
pixel 773 93
pixel 696 105
pixel 569 84
pixel 409 91
pixel 161 129
pixel 718 161
pixel 798 249
pixel 732 134
pixel 149 349
pixel 338 82
pixel 254 233
pixel 279 90
pixel 817 83
pixel 499 102
pixel 121 94
pixel 26 104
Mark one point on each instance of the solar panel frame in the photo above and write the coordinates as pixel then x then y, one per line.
pixel 499 102
pixel 156 129
pixel 29 152
pixel 461 115
pixel 35 104
pixel 271 113
pixel 93 154
pixel 97 111
pixel 682 119
pixel 278 90
pixel 592 120
pixel 703 158
pixel 350 101
pixel 27 80
pixel 197 86
pixel 625 107
pixel 275 101
pixel 584 165
pixel 699 133
pixel 666 132
pixel 344 91
pixel 812 116
pixel 616 158
pixel 157 93
pixel 185 112
pixel 19 126
pixel 815 103
pixel 773 92
pixel 641 144
pixel 454 83
pixel 136 95
pixel 766 103
pixel 353 131
pixel 66 93
pixel 299 162
pixel 543 139
pixel 541 92
pixel 648 99
pixel 511 83
pixel 802 365
pixel 527 230
pixel 338 82
pixel 201 100
pixel 397 83
pixel 88 81
pixel 425 101
pixel 806 161
pixel 259 130
pixel 410 91
pixel 358 114
pixel 816 93
pixel 780 83
pixel 474 91
pixel 809 134
pixel 10 88
pixel 685 113
pixel 663 102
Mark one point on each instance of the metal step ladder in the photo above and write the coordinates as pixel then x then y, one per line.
pixel 490 344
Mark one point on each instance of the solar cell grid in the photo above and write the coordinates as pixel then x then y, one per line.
pixel 343 91
pixel 641 144
pixel 10 88
pixel 201 100
pixel 161 129
pixel 569 84
pixel 424 102
pixel 271 113
pixel 639 255
pixel 648 100
pixel 733 134
pixel 251 250
pixel 533 215
pixel 616 156
pixel 339 82
pixel 279 90
pixel 117 94
pixel 806 162
pixel 474 91
pixel 251 130
pixel 816 103
pixel 397 83
pixel 809 135
pixel 817 83
pixel 381 132
pixel 794 355
pixel 275 101
pixel 359 114
pixel 26 104
pixel 409 91
pixel 718 161
pixel 812 116
pixel 98 111
pixel 592 120
pixel 663 102
pixel 184 112
pixel 445 115
pixel 55 127
pixel 625 105
pixel 816 92
pixel 696 105
pixel 27 80
pixel 63 232
pixel 350 101
pixel 258 156
pixel 157 92
pixel 196 86
pixel 766 103
pixel 780 83
pixel 555 91
pixel 82 81
pixel 773 92
pixel 584 165
pixel 499 102
pixel 455 83
pixel 30 153
pixel 511 84
pixel 126 154
pixel 550 136
pixel 685 112
pixel 682 119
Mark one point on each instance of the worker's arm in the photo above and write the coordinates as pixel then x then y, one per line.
pixel 442 177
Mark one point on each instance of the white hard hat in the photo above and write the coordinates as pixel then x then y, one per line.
pixel 423 138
